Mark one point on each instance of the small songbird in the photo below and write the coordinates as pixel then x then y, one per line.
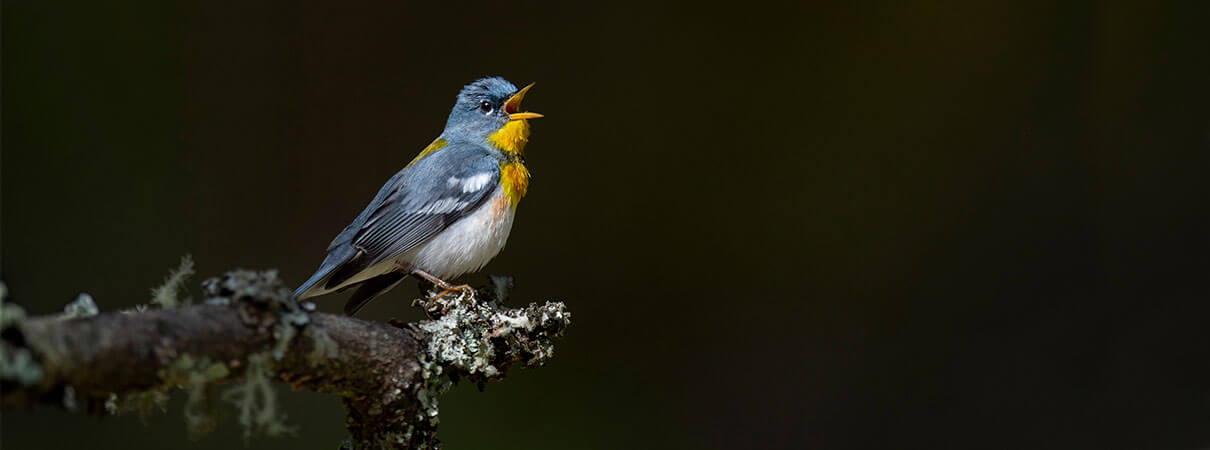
pixel 448 212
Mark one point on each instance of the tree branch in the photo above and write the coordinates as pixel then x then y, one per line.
pixel 389 375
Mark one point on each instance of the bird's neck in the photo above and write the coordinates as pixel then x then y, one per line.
pixel 511 137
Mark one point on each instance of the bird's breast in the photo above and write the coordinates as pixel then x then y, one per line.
pixel 468 244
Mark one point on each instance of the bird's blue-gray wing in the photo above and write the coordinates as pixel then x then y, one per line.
pixel 416 204
pixel 426 205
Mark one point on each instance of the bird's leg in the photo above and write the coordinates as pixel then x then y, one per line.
pixel 446 287
pixel 440 283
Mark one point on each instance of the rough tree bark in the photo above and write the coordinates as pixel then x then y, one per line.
pixel 249 331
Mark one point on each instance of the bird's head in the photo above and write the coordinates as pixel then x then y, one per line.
pixel 489 109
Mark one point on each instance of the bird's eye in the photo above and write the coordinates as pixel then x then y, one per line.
pixel 485 106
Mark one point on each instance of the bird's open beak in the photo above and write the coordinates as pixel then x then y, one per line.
pixel 512 106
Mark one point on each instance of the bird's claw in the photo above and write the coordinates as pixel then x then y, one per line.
pixel 434 305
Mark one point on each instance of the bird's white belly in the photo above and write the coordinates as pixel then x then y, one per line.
pixel 468 244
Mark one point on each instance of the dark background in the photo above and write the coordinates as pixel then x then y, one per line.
pixel 873 225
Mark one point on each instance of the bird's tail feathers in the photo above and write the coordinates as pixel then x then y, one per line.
pixel 371 288
pixel 314 285
pixel 321 282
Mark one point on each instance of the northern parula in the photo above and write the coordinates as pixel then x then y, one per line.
pixel 446 213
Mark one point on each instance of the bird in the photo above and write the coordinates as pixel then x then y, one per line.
pixel 447 212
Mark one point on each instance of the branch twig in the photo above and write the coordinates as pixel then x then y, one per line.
pixel 389 375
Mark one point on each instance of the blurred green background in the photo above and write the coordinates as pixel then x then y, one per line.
pixel 823 225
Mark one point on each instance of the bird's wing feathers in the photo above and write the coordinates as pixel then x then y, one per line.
pixel 427 198
pixel 412 207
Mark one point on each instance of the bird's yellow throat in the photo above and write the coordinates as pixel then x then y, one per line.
pixel 511 137
pixel 514 177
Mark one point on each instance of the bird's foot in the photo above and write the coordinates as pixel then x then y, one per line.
pixel 460 289
pixel 434 305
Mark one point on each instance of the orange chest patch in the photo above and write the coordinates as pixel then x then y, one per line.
pixel 514 179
